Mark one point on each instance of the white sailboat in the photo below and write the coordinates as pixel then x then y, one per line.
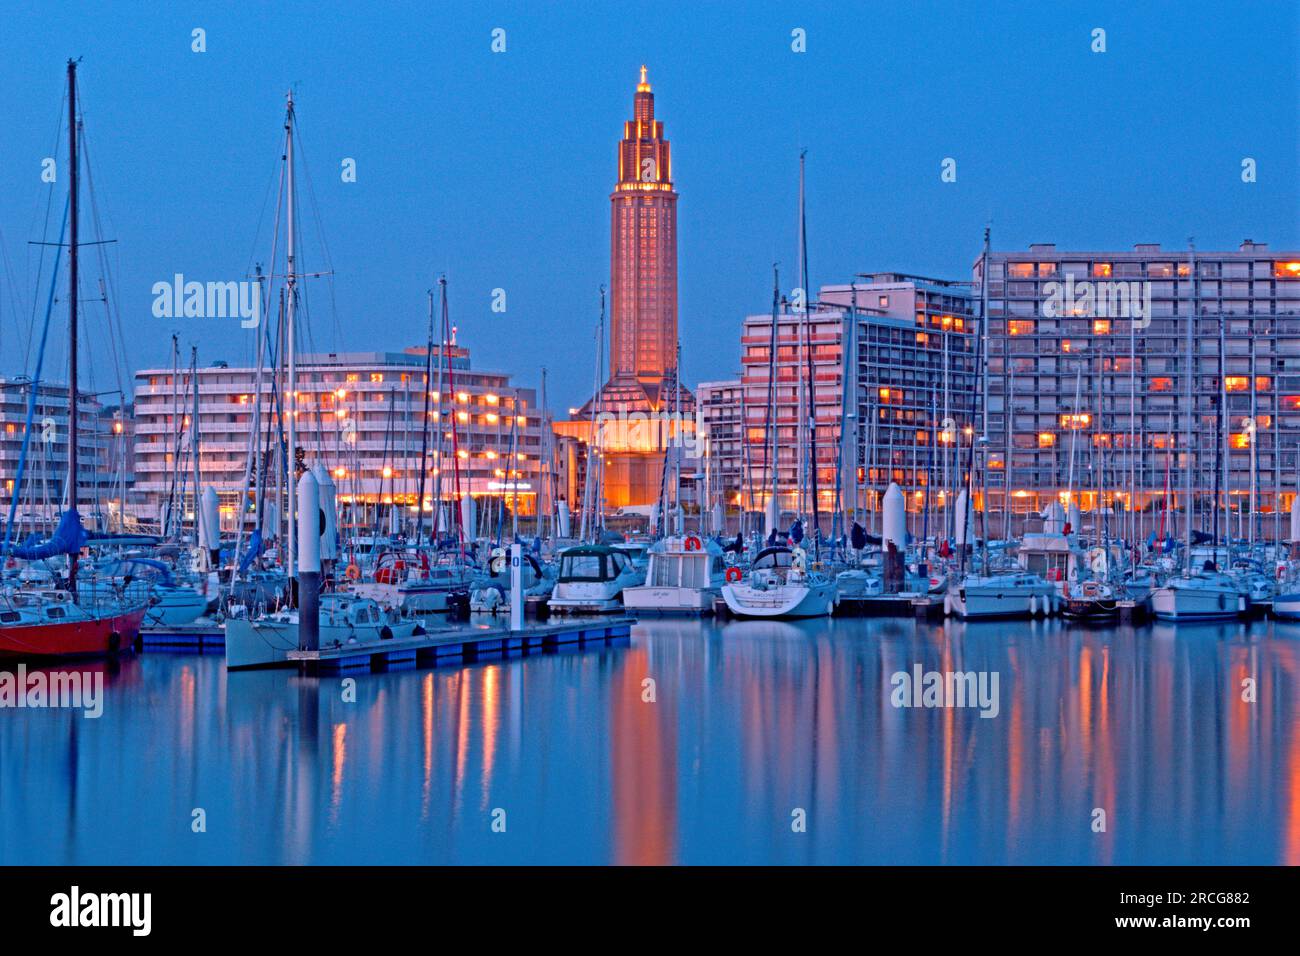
pixel 779 585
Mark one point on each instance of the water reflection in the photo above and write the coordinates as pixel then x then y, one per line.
pixel 1188 738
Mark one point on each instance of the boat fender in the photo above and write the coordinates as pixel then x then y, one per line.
pixel 385 633
pixel 419 631
pixel 114 642
pixel 733 574
pixel 1033 605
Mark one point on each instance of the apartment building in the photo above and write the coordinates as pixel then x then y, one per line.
pixel 359 414
pixel 1093 391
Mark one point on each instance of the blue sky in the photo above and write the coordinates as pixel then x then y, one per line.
pixel 496 168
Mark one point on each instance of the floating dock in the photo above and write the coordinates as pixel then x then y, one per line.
pixel 199 636
pixel 464 644
pixel 908 604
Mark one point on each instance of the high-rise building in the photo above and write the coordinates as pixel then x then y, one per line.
pixel 910 345
pixel 359 414
pixel 1088 378
pixel 102 469
pixel 643 356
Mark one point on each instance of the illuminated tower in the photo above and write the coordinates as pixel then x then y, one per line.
pixel 642 383
pixel 643 254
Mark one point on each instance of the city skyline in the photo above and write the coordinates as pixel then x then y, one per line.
pixel 1068 169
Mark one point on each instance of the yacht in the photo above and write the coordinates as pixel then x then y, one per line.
pixel 779 585
pixel 345 619
pixel 686 575
pixel 1206 595
pixel 592 579
pixel 1002 594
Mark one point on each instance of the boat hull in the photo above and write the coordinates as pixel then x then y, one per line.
pixel 1196 604
pixel 787 601
pixel 97 637
pixel 670 600
pixel 1286 607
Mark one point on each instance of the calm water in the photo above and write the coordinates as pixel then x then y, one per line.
pixel 751 721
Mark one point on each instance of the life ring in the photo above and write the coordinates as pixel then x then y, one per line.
pixel 733 574
pixel 353 572
pixel 693 543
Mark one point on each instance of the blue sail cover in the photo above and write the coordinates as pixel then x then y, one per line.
pixel 254 549
pixel 69 538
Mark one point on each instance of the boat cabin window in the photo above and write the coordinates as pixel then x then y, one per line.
pixel 583 567
pixel 55 612
pixel 8 617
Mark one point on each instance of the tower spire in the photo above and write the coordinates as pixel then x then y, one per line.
pixel 644 85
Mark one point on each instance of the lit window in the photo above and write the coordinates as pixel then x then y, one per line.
pixel 1286 270
pixel 1046 440
pixel 1101 270
pixel 1101 327
pixel 1236 383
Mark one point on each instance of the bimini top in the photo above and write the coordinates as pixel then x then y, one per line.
pixel 774 558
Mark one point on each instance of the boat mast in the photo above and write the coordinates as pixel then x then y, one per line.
pixel 1191 408
pixel 72 312
pixel 291 299
pixel 810 470
pixel 424 435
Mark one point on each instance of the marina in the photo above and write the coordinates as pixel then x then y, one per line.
pixel 621 439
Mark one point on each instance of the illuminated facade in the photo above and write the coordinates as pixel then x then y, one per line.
pixel 359 414
pixel 1079 386
pixel 643 377
pixel 911 365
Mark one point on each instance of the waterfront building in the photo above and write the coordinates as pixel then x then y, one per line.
pixel 100 454
pixel 905 344
pixel 1088 379
pixel 359 413
pixel 720 426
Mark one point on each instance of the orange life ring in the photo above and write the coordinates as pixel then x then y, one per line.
pixel 733 574
pixel 693 543
pixel 353 572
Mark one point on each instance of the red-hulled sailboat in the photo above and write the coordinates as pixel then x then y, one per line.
pixel 43 623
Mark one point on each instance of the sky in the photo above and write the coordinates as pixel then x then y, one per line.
pixel 495 168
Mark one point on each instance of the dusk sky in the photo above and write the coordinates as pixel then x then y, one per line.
pixel 496 168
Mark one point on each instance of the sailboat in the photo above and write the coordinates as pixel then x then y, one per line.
pixel 1204 594
pixel 53 622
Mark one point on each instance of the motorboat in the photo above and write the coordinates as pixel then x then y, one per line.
pixel 685 575
pixel 1205 595
pixel 1002 594
pixel 592 579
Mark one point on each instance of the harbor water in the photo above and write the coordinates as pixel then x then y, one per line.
pixel 693 742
